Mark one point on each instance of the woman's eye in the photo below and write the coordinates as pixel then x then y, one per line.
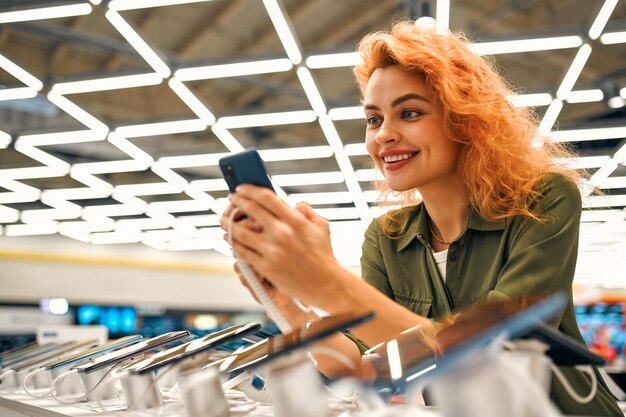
pixel 373 121
pixel 408 114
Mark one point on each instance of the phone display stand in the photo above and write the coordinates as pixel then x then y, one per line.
pixel 295 387
pixel 203 395
pixel 496 382
pixel 70 385
pixel 141 391
pixel 96 387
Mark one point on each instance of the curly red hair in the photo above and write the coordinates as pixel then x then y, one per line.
pixel 501 167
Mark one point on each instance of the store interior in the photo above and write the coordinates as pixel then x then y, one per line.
pixel 114 114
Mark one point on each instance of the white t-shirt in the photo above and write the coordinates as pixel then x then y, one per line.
pixel 440 259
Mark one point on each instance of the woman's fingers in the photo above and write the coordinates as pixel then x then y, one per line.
pixel 268 200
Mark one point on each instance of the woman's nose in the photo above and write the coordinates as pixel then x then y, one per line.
pixel 386 133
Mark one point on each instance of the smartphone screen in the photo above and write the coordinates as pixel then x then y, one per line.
pixel 194 347
pixel 130 351
pixel 245 167
pixel 91 353
pixel 274 347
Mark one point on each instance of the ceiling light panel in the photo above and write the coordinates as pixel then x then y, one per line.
pixel 137 108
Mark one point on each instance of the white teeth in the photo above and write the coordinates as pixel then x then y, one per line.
pixel 402 157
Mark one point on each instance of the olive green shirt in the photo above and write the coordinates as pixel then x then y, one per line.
pixel 490 260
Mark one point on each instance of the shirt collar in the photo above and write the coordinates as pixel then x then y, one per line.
pixel 416 226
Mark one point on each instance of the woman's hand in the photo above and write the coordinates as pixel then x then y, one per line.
pixel 290 246
pixel 283 302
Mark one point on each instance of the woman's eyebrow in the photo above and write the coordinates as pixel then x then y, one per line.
pixel 398 101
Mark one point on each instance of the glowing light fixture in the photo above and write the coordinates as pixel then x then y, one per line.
pixel 108 83
pixel 41 13
pixel 311 91
pixel 603 16
pixel 234 70
pixel 527 45
pixel 267 119
pixel 283 29
pixel 146 52
pixel 574 72
pixel 344 59
pixel 531 100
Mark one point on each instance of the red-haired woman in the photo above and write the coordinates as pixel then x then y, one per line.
pixel 487 214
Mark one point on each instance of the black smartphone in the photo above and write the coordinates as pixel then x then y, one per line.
pixel 189 349
pixel 131 351
pixel 245 167
pixel 91 353
pixel 274 347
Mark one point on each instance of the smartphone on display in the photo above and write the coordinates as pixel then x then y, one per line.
pixel 31 354
pixel 16 351
pixel 70 347
pixel 245 167
pixel 275 347
pixel 91 353
pixel 130 352
pixel 178 353
pixel 415 353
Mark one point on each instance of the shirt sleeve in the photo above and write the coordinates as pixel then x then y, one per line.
pixel 542 255
pixel 373 270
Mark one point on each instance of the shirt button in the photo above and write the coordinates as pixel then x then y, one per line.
pixel 453 257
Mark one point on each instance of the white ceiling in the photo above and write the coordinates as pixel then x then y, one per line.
pixel 113 114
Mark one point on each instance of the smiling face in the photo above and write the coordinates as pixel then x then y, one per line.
pixel 404 135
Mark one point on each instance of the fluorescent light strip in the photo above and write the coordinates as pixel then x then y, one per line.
pixel 46 13
pixel 17 192
pixel 356 149
pixel 603 16
pixel 442 16
pixel 604 201
pixel 365 175
pixel 290 154
pixel 226 137
pixel 343 213
pixel 340 197
pixel 550 116
pixel 612 38
pixel 234 70
pixel 179 206
pixel 54 164
pixel 527 45
pixel 311 91
pixel 32 229
pixel 108 83
pixel 267 119
pixel 588 134
pixel 201 219
pixel 393 355
pixel 17 93
pixel 128 236
pixel 193 102
pixel 20 73
pixel 168 175
pixel 347 113
pixel 283 29
pixel 122 192
pixel 613 182
pixel 574 72
pixel 147 53
pixel 141 157
pixel 161 128
pixel 75 136
pixel 530 100
pixel 62 210
pixel 585 162
pixel 77 112
pixel 310 178
pixel 5 139
pixel 331 134
pixel 585 96
pixel 217 184
pixel 9 215
pixel 600 215
pixel 603 173
pixel 143 4
pixel 202 160
pixel 345 59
